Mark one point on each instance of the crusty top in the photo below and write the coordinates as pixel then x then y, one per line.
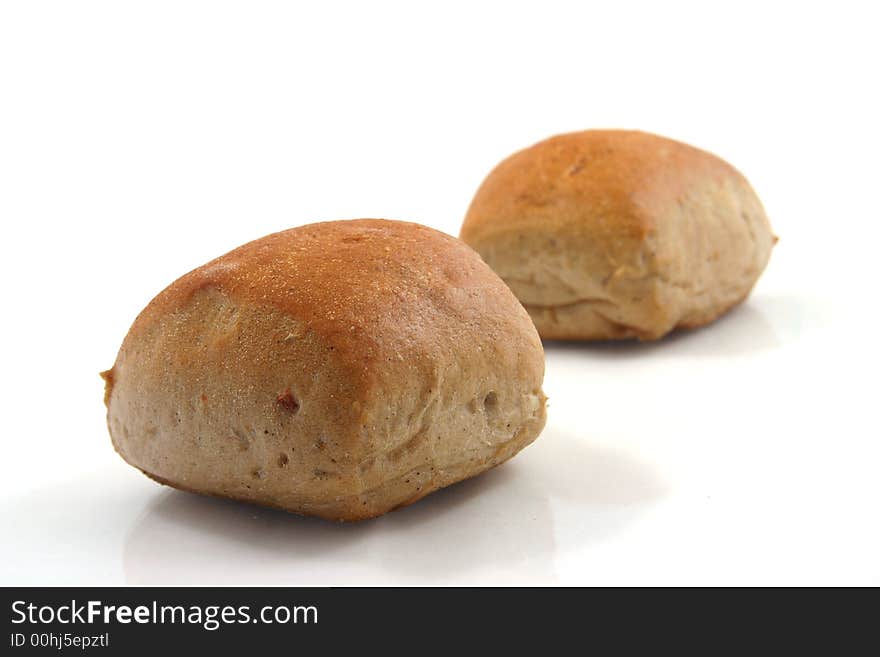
pixel 567 179
pixel 371 289
pixel 613 233
pixel 339 368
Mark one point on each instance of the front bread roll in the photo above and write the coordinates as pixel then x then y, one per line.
pixel 609 234
pixel 340 369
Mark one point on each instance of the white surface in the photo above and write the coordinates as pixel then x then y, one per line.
pixel 138 142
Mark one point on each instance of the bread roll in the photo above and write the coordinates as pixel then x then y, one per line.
pixel 609 234
pixel 340 369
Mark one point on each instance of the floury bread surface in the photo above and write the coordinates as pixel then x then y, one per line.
pixel 609 234
pixel 340 369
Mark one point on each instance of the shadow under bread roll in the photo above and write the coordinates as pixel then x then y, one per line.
pixel 611 234
pixel 340 369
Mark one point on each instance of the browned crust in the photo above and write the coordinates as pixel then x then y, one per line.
pixel 336 369
pixel 615 234
pixel 107 375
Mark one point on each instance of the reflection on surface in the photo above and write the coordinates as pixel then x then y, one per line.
pixel 68 534
pixel 745 329
pixel 188 538
pixel 496 528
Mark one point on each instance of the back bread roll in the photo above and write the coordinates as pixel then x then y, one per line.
pixel 609 234
pixel 340 369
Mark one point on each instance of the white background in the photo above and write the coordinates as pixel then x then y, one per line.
pixel 139 140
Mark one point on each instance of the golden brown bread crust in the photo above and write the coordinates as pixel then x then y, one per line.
pixel 608 234
pixel 339 369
